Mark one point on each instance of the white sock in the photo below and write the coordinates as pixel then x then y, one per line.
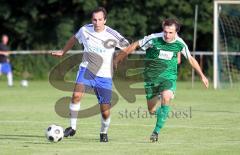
pixel 74 109
pixel 104 124
pixel 10 79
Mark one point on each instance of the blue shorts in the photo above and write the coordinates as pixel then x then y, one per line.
pixel 5 68
pixel 102 86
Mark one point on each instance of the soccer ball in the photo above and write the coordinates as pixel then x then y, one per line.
pixel 24 83
pixel 54 133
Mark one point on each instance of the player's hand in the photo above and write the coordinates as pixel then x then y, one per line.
pixel 119 58
pixel 116 61
pixel 57 53
pixel 115 64
pixel 205 81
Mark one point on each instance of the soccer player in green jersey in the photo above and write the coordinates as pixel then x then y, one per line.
pixel 160 73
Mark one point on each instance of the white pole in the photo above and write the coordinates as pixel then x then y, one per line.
pixel 215 46
pixel 216 38
pixel 194 40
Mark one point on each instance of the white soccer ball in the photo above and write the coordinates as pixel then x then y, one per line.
pixel 24 83
pixel 54 133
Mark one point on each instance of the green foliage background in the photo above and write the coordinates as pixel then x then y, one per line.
pixel 47 24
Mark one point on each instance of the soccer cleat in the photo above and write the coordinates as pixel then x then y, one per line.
pixel 154 137
pixel 69 132
pixel 103 137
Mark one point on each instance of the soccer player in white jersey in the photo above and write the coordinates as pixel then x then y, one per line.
pixel 160 73
pixel 95 70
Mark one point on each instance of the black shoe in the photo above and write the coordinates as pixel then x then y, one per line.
pixel 154 137
pixel 103 137
pixel 69 132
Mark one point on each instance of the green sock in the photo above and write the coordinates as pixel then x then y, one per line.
pixel 162 114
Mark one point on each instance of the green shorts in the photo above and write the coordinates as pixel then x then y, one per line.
pixel 154 88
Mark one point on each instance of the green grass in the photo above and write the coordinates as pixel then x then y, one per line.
pixel 204 122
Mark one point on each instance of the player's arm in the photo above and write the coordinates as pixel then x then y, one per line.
pixel 70 43
pixel 131 48
pixel 124 52
pixel 196 66
pixel 179 57
pixel 4 53
pixel 144 43
pixel 193 62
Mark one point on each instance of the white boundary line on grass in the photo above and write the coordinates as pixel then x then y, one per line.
pixel 134 125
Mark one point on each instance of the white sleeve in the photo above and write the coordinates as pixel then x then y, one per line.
pixel 79 35
pixel 185 51
pixel 122 42
pixel 147 42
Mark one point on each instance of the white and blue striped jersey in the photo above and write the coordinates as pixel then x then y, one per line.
pixel 99 48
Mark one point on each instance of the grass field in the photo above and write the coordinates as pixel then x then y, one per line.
pixel 203 122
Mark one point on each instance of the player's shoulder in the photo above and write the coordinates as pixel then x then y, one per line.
pixel 83 29
pixel 155 35
pixel 110 30
pixel 113 32
pixel 87 27
pixel 179 40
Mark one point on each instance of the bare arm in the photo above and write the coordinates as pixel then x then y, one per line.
pixel 179 58
pixel 70 43
pixel 131 48
pixel 196 66
pixel 124 52
pixel 4 53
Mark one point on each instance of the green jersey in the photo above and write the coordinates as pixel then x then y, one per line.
pixel 161 57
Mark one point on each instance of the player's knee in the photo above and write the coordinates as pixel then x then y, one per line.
pixel 76 98
pixel 105 114
pixel 166 100
pixel 151 111
pixel 105 110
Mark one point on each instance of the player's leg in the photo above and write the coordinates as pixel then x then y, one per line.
pixel 152 93
pixel 103 91
pixel 166 89
pixel 10 79
pixel 105 121
pixel 161 113
pixel 153 104
pixel 163 110
pixel 74 107
pixel 0 69
pixel 82 81
pixel 7 69
pixel 10 75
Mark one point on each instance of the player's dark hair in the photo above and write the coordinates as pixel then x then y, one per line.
pixel 170 22
pixel 100 9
